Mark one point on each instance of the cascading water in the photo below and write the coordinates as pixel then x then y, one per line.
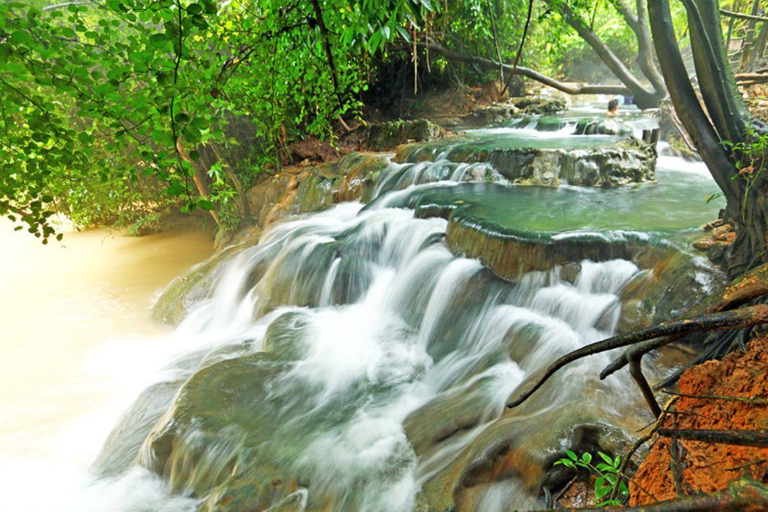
pixel 348 360
pixel 405 323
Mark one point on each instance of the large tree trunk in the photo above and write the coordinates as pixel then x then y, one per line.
pixel 728 122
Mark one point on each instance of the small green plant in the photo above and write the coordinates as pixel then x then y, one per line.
pixel 752 160
pixel 607 473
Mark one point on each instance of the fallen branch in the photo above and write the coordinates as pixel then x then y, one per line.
pixel 742 399
pixel 750 286
pixel 740 496
pixel 756 438
pixel 751 78
pixel 745 317
pixel 528 72
pixel 742 16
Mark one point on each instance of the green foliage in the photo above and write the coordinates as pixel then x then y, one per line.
pixel 606 473
pixel 94 97
pixel 750 161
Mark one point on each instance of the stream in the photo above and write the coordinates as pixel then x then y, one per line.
pixel 349 360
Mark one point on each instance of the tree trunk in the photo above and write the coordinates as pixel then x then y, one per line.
pixel 644 98
pixel 729 122
pixel 567 88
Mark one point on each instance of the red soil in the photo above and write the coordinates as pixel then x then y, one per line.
pixel 710 467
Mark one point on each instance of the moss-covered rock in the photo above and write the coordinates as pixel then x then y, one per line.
pixel 550 124
pixel 192 287
pixel 620 163
pixel 388 135
pixel 510 253
pixel 539 104
pixel 668 287
pixel 593 126
pixel 213 433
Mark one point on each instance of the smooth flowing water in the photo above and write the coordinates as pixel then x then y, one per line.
pixel 350 360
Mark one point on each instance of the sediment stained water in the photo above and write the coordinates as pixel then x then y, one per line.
pixel 349 360
pixel 75 341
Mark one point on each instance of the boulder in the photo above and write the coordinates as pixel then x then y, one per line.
pixel 388 135
pixel 618 164
pixel 591 126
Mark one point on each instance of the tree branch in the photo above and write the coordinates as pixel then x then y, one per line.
pixel 530 73
pixel 742 16
pixel 755 438
pixel 744 317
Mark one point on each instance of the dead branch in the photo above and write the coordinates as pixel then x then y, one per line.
pixel 743 399
pixel 751 78
pixel 756 438
pixel 737 319
pixel 750 286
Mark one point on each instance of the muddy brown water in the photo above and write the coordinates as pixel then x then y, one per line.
pixel 62 306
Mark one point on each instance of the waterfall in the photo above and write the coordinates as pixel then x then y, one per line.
pixel 367 318
pixel 349 360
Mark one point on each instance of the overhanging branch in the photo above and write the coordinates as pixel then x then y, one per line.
pixel 528 72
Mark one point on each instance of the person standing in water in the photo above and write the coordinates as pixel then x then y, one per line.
pixel 613 108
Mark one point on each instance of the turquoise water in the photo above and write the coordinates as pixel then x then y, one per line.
pixel 676 202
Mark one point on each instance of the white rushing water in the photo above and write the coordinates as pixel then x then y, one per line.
pixel 387 326
pixel 369 321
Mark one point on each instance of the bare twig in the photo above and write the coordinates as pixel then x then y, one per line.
pixel 520 48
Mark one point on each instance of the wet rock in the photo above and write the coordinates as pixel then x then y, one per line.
pixel 590 126
pixel 550 124
pixel 194 286
pixel 539 104
pixel 510 253
pixel 723 233
pixel 507 451
pixel 670 284
pixel 621 163
pixel 207 443
pixel 123 444
pixel 388 135
pixel 349 179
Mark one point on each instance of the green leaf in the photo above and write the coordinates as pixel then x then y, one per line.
pixel 175 189
pixel 20 37
pixel 571 455
pixel 606 458
pixel 601 489
pixel 204 204
pixel 586 457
